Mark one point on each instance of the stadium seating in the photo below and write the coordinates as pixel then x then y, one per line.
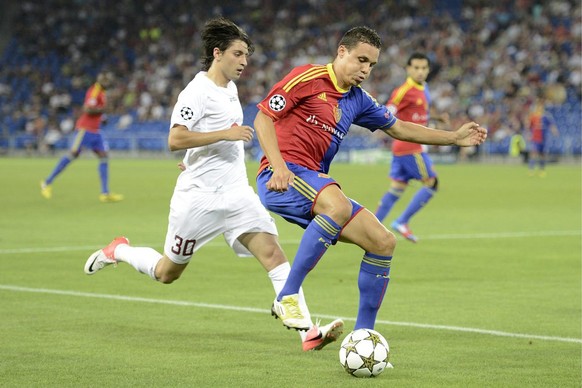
pixel 67 57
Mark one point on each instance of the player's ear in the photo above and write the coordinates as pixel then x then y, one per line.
pixel 216 53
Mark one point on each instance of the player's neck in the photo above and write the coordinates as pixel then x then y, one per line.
pixel 217 77
pixel 415 81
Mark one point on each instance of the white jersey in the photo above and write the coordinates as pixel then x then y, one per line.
pixel 205 107
pixel 212 196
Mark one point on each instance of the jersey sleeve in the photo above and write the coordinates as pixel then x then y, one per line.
pixel 288 92
pixel 374 115
pixel 392 105
pixel 188 109
pixel 95 98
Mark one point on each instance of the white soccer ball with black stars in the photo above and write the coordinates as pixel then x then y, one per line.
pixel 364 353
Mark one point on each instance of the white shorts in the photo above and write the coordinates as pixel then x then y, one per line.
pixel 196 217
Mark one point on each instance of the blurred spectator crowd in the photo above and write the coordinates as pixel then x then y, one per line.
pixel 489 58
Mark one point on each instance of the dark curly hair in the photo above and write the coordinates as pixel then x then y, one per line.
pixel 220 32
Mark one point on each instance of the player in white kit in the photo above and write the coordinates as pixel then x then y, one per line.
pixel 212 194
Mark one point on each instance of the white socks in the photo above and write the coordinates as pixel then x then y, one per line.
pixel 278 276
pixel 143 259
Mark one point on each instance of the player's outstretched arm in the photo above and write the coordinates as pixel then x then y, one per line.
pixel 180 138
pixel 267 136
pixel 469 134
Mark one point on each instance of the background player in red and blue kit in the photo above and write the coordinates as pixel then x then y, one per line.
pixel 541 123
pixel 300 126
pixel 88 135
pixel 410 102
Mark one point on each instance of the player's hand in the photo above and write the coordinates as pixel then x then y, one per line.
pixel 280 180
pixel 240 132
pixel 182 166
pixel 470 134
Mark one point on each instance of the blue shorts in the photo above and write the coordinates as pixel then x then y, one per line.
pixel 84 139
pixel 539 147
pixel 296 204
pixel 415 166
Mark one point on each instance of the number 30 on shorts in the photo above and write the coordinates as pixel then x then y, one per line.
pixel 183 247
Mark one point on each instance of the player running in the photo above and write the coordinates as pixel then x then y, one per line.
pixel 300 126
pixel 88 135
pixel 212 196
pixel 411 102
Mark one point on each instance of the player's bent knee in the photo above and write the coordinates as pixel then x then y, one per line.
pixel 386 243
pixel 432 183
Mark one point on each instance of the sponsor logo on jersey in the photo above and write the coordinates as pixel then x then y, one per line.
pixel 312 119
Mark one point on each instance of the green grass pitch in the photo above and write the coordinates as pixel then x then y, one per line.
pixel 489 297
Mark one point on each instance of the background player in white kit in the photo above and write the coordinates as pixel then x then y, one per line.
pixel 212 195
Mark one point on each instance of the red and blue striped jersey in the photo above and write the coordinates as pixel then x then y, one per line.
pixel 312 115
pixel 409 102
pixel 94 98
pixel 540 122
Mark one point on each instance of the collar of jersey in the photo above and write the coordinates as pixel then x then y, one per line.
pixel 414 84
pixel 334 79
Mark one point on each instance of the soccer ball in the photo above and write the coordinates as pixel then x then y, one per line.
pixel 364 353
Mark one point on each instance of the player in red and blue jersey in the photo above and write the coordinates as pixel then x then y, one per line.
pixel 410 102
pixel 300 126
pixel 88 135
pixel 541 123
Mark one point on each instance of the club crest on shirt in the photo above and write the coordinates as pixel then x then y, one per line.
pixel 277 103
pixel 337 113
pixel 186 113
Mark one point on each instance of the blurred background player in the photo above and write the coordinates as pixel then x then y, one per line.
pixel 411 102
pixel 212 195
pixel 300 125
pixel 541 123
pixel 88 135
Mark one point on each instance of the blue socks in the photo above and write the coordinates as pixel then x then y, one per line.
pixel 386 203
pixel 372 282
pixel 418 201
pixel 321 232
pixel 104 175
pixel 64 162
pixel 103 169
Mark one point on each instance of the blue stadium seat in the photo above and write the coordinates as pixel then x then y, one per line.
pixel 556 146
pixel 119 143
pixel 576 147
pixel 152 143
pixel 25 141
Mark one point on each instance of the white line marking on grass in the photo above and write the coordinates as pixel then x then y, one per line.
pixel 217 243
pixel 264 311
pixel 548 233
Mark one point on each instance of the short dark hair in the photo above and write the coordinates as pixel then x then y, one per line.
pixel 417 56
pixel 361 34
pixel 220 32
